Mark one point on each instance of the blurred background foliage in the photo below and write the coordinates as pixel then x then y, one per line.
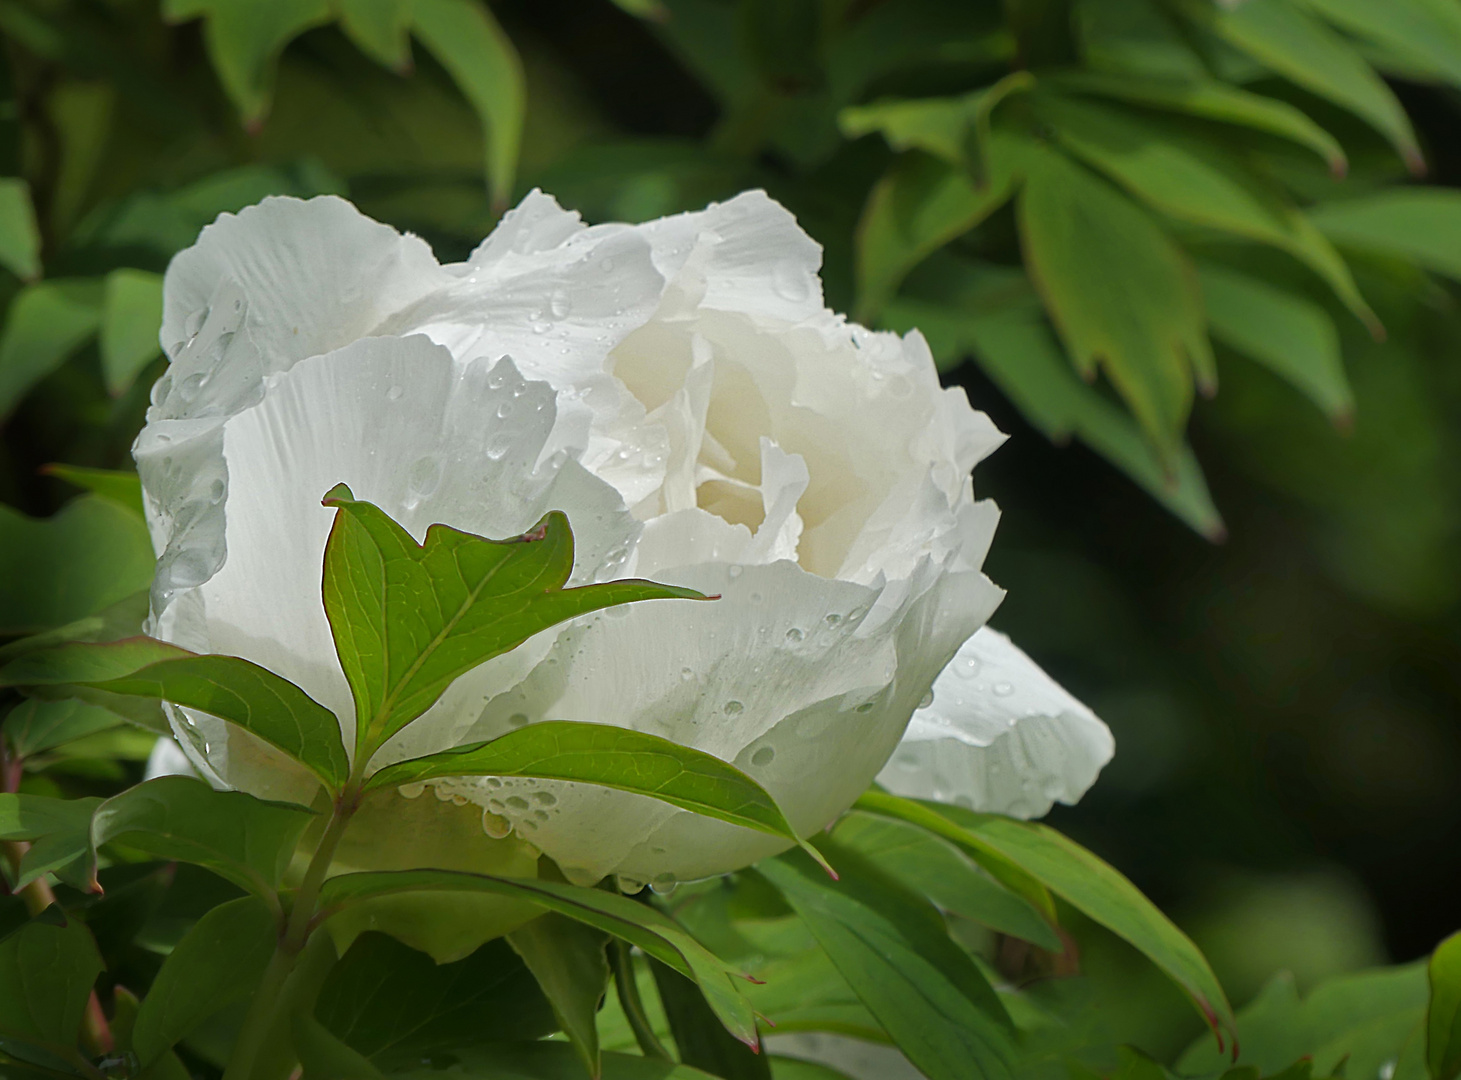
pixel 1198 259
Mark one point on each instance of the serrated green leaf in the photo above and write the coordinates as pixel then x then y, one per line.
pixel 245 38
pixel 1212 100
pixel 1082 880
pixel 1291 336
pixel 1426 32
pixel 921 204
pixel 466 39
pixel 409 618
pixel 122 487
pixel 1021 356
pixel 35 726
pixel 47 970
pixel 1443 1014
pixel 230 688
pixel 130 320
pixel 1120 291
pixel 656 934
pixel 1289 40
pixel 91 555
pixel 891 947
pixel 20 237
pixel 1193 180
pixel 46 323
pixel 699 1037
pixel 1422 225
pixel 928 865
pixel 395 1005
pixel 380 28
pixel 612 757
pixel 218 962
pixel 568 961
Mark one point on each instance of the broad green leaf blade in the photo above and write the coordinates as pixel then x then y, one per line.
pixel 228 687
pixel 122 487
pixel 1291 336
pixel 1084 881
pixel 938 126
pixel 892 948
pixel 395 1005
pixel 1443 1016
pixel 1136 39
pixel 130 319
pixel 699 1037
pixel 656 934
pixel 59 834
pixel 1426 33
pixel 1292 42
pixel 1422 225
pixel 35 725
pixel 567 959
pixel 468 42
pixel 1212 100
pixel 612 757
pixel 409 618
pixel 53 571
pixel 1192 179
pixel 218 962
pixel 556 1061
pixel 46 323
pixel 1121 292
pixel 244 839
pixel 245 38
pixel 324 1057
pixel 928 865
pixel 919 206
pixel 46 975
pixel 380 28
pixel 20 237
pixel 1019 353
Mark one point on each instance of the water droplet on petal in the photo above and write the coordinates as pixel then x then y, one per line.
pixel 686 674
pixel 795 634
pixel 495 825
pixel 927 700
pixel 735 572
pixel 560 304
pixel 517 802
pixel 734 708
pixel 764 756
pixel 1003 689
pixel 394 393
pixel 517 720
pixel 544 798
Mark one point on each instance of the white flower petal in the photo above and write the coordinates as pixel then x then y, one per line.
pixel 1000 736
pixel 786 676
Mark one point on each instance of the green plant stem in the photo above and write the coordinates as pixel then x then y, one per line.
pixel 269 998
pixel 622 960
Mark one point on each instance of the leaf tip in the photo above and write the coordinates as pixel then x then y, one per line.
pixel 821 860
pixel 337 495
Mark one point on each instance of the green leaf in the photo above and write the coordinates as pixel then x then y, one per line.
pixel 1212 100
pixel 122 487
pixel 921 204
pixel 1118 288
pixel 1019 354
pixel 1193 180
pixel 217 963
pixel 380 29
pixel 1084 881
pixel 409 618
pixel 46 323
pixel 892 948
pixel 609 756
pixel 1304 50
pixel 1291 336
pixel 248 841
pixel 1423 32
pixel 466 39
pixel 20 237
pixel 47 969
pixel 928 865
pixel 656 934
pixel 1443 1016
pixel 59 834
pixel 130 320
pixel 324 1057
pixel 1135 38
pixel 395 1005
pixel 556 1061
pixel 245 38
pixel 236 690
pixel 1417 224
pixel 35 726
pixel 54 571
pixel 568 961
pixel 701 1040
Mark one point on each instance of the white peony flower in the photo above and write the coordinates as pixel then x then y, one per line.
pixel 680 391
